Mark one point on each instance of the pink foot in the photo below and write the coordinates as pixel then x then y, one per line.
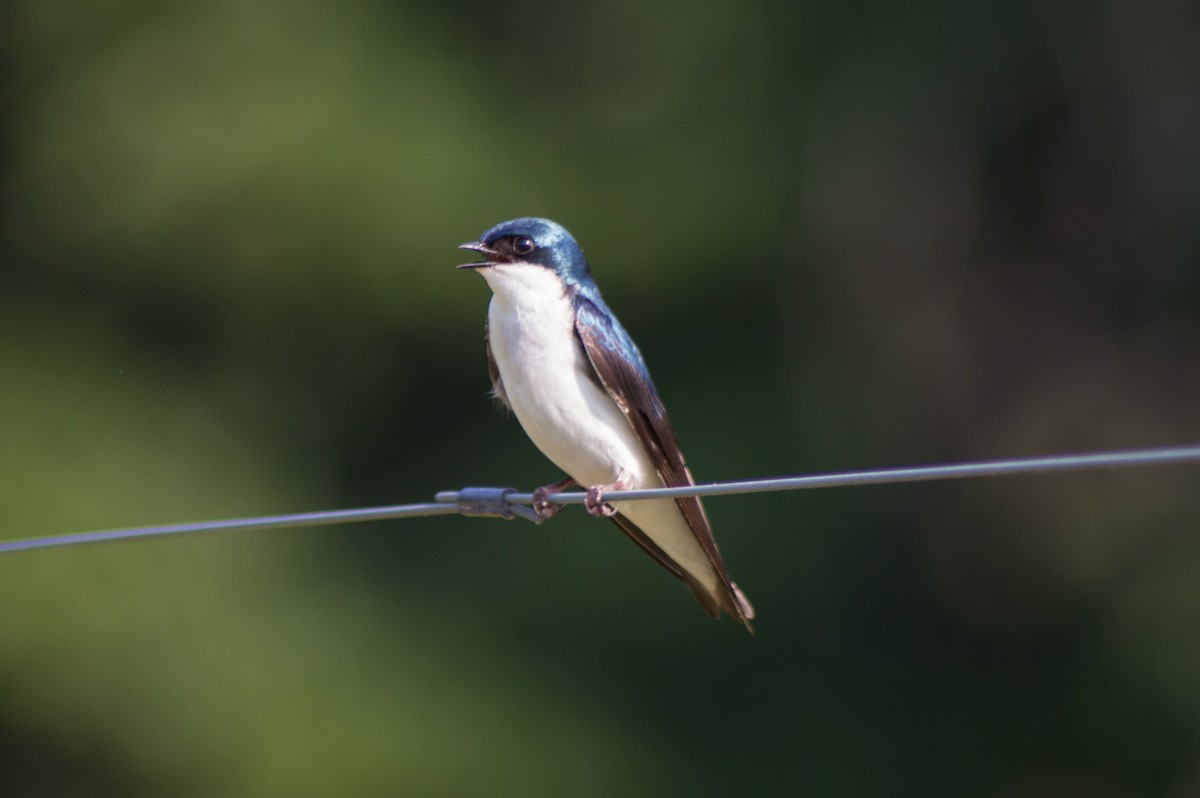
pixel 594 501
pixel 542 505
pixel 595 504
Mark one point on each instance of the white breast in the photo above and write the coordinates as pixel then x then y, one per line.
pixel 548 382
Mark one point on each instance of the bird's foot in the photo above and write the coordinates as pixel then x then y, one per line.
pixel 594 501
pixel 542 504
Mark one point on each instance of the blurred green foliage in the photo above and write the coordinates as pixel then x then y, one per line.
pixel 844 234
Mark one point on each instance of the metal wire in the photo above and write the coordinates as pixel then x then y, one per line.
pixel 260 522
pixel 508 503
pixel 990 468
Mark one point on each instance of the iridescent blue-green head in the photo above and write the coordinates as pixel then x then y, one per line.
pixel 532 241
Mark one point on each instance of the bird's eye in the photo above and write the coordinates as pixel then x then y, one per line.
pixel 523 245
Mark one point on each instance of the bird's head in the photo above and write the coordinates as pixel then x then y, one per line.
pixel 530 243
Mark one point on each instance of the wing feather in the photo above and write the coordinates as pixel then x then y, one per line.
pixel 634 533
pixel 621 370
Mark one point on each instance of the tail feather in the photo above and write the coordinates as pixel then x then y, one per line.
pixel 731 599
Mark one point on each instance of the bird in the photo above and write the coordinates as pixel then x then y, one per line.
pixel 561 362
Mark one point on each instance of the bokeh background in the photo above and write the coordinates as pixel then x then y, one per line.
pixel 845 234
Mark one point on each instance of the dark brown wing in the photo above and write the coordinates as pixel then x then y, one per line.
pixel 622 372
pixel 635 533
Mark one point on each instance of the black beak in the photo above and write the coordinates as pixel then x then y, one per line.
pixel 474 246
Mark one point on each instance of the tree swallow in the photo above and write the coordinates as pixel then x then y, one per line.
pixel 564 365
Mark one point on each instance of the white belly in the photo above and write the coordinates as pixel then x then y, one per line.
pixel 548 382
pixel 573 421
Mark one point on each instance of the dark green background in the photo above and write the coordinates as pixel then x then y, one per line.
pixel 845 235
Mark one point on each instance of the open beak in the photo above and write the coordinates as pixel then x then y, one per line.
pixel 491 255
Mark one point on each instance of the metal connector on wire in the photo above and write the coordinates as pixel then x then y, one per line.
pixel 488 503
